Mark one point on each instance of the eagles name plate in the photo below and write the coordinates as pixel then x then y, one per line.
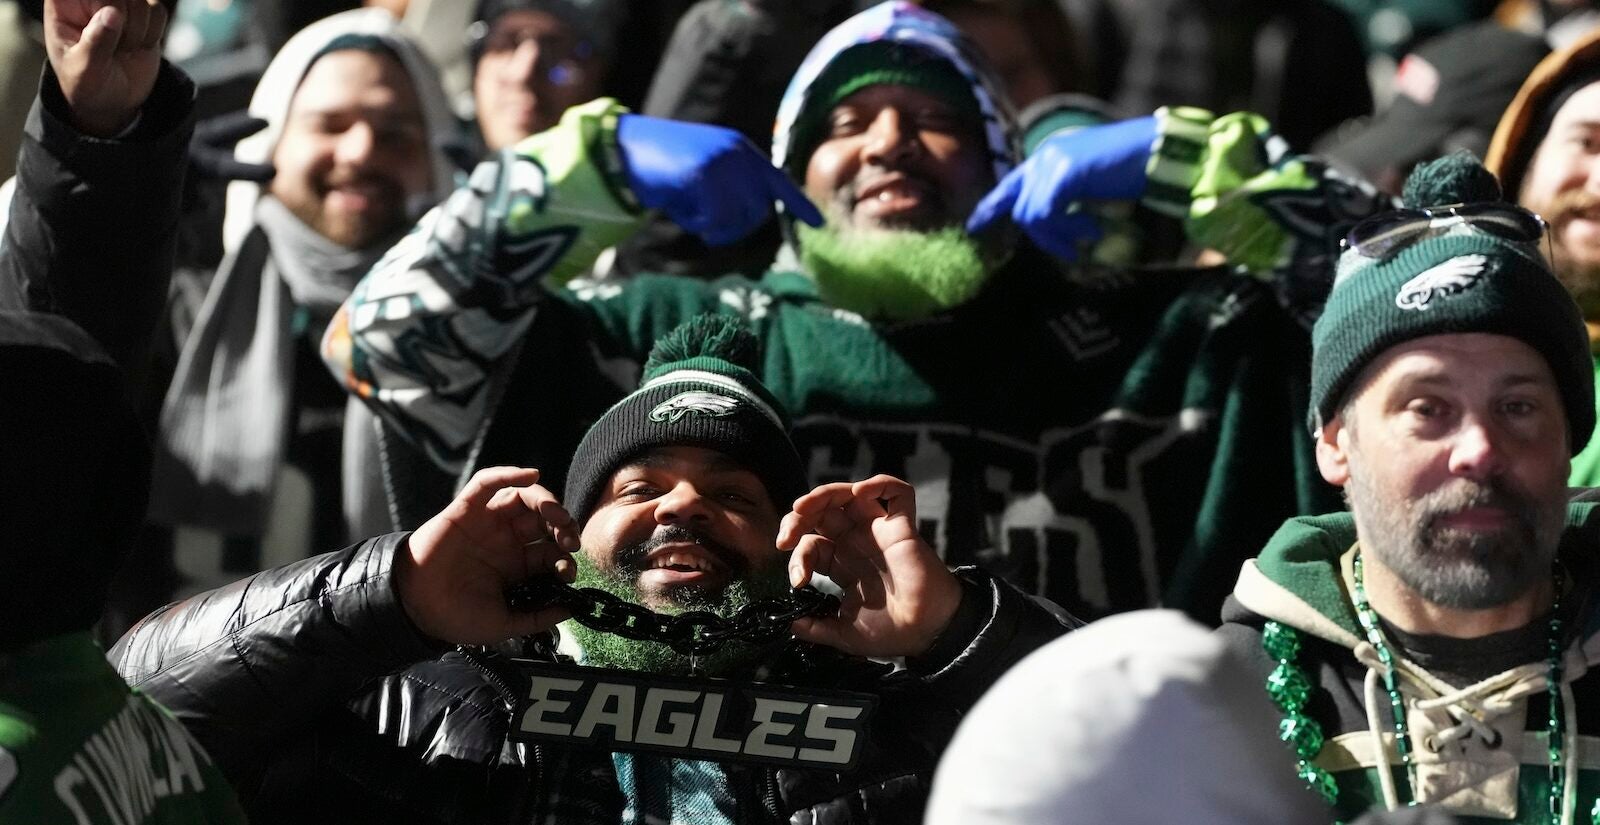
pixel 711 719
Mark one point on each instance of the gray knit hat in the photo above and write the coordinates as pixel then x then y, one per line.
pixel 699 389
pixel 1458 278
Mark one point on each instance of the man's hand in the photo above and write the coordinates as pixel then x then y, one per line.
pixel 502 529
pixel 898 595
pixel 1041 196
pixel 106 54
pixel 706 179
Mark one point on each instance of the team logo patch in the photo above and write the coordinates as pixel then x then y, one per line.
pixel 1451 277
pixel 711 719
pixel 699 402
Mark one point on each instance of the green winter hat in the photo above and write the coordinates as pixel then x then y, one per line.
pixel 699 389
pixel 871 64
pixel 1457 278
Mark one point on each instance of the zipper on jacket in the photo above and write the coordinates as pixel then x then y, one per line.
pixel 770 794
pixel 480 663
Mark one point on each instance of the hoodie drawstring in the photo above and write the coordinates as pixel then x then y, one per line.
pixel 1471 707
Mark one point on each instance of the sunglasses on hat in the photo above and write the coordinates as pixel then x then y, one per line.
pixel 1383 235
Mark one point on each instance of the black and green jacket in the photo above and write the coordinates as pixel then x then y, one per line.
pixel 1498 772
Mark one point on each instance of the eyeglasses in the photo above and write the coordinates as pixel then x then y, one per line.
pixel 1383 235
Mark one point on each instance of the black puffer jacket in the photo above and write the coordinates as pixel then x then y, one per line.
pixel 322 703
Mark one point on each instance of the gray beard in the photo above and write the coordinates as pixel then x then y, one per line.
pixel 1452 568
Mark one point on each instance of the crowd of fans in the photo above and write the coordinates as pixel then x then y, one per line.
pixel 987 318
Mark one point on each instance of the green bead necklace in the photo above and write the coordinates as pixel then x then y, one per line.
pixel 1290 689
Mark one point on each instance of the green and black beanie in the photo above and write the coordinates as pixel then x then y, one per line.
pixel 871 64
pixel 699 389
pixel 1461 280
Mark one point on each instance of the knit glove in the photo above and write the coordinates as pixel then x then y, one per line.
pixel 1042 194
pixel 707 179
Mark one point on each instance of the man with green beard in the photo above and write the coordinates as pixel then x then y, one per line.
pixel 320 688
pixel 1106 442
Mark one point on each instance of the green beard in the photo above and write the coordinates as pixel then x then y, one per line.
pixel 609 650
pixel 892 274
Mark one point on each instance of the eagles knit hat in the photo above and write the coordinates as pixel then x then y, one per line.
pixel 1461 280
pixel 699 389
pixel 871 64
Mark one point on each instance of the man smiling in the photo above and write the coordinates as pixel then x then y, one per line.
pixel 321 686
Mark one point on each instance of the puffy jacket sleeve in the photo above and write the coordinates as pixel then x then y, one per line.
pixel 995 627
pixel 246 666
pixel 424 334
pixel 93 225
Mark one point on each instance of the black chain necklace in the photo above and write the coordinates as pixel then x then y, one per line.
pixel 691 633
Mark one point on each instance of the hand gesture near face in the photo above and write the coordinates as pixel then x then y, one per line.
pixel 898 594
pixel 105 54
pixel 502 529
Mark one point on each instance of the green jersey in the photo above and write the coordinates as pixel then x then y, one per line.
pixel 77 745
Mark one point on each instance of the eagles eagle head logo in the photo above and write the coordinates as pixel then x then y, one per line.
pixel 1455 275
pixel 699 402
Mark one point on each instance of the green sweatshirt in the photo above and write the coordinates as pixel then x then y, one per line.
pixel 1108 447
pixel 77 745
pixel 1303 580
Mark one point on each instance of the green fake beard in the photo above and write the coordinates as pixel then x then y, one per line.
pixel 609 650
pixel 892 274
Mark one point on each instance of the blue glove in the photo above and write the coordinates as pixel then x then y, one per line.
pixel 707 179
pixel 1095 163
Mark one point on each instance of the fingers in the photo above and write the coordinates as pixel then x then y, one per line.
pixel 485 483
pixel 814 555
pixel 819 631
pixel 809 511
pixel 99 39
pixel 998 202
pixel 834 508
pixel 534 514
pixel 543 558
pixel 1065 235
pixel 899 497
pixel 792 198
pixel 539 621
pixel 557 522
pixel 138 25
pixel 156 27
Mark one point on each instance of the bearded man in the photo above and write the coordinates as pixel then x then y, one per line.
pixel 1434 645
pixel 322 693
pixel 1038 416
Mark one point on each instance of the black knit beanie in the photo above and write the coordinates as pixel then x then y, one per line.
pixel 699 389
pixel 1459 281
